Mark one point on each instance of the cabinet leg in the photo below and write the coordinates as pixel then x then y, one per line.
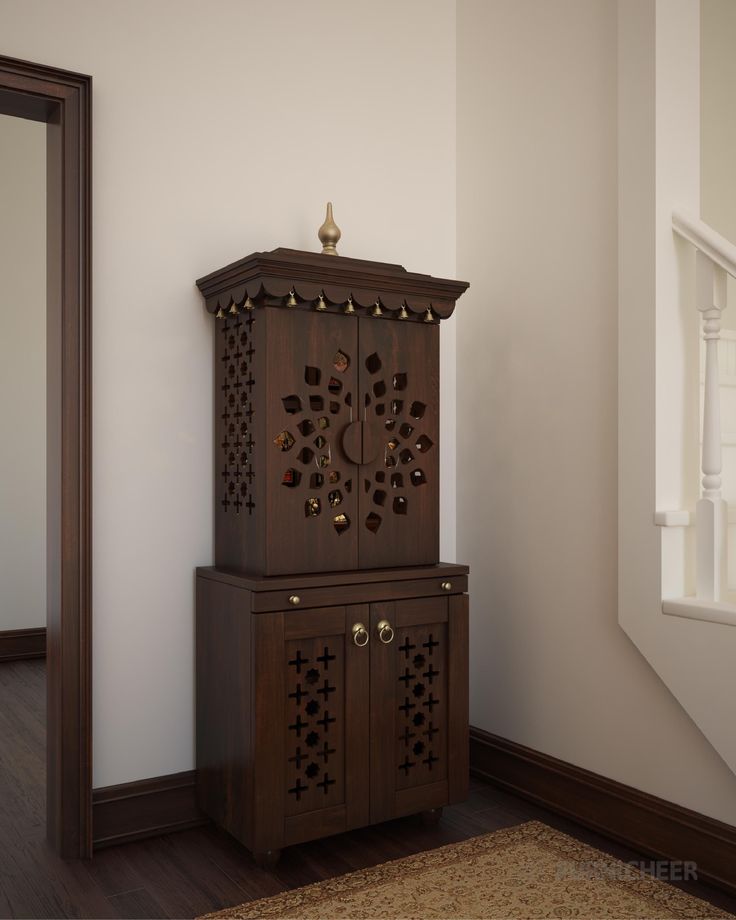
pixel 267 859
pixel 431 817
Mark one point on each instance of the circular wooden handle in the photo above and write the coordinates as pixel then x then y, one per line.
pixel 361 442
pixel 352 442
pixel 372 436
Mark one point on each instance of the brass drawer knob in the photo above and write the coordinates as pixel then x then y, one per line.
pixel 360 635
pixel 446 586
pixel 295 600
pixel 385 632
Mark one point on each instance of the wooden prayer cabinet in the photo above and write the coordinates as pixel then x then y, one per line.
pixel 332 649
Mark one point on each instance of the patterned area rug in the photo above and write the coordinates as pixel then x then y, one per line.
pixel 524 872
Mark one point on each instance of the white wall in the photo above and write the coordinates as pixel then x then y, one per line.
pixel 222 128
pixel 537 399
pixel 22 374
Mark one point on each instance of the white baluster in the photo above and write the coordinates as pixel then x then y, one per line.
pixel 712 512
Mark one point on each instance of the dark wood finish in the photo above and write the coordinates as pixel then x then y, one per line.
pixel 458 667
pixel 296 542
pixel 266 802
pixel 431 817
pixel 323 712
pixel 313 624
pixel 268 860
pixel 348 594
pixel 271 276
pixel 383 719
pixel 357 720
pixel 327 417
pixel 351 440
pixel 224 701
pixel 22 643
pixel 240 427
pixel 145 808
pixel 349 588
pixel 409 708
pixel 193 872
pixel 63 101
pixel 443 571
pixel 412 800
pixel 305 775
pixel 643 822
pixel 399 485
pixel 327 458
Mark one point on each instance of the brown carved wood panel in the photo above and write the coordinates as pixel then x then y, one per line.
pixel 399 481
pixel 239 424
pixel 315 723
pixel 410 704
pixel 420 696
pixel 236 408
pixel 312 507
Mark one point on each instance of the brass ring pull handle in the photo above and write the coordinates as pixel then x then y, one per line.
pixel 360 635
pixel 385 632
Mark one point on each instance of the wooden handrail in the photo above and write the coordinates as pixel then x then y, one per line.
pixel 707 240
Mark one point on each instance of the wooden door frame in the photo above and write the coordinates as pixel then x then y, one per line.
pixel 63 101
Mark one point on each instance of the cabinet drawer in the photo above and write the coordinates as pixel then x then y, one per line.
pixel 271 601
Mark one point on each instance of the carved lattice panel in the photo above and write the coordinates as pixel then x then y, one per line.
pixel 235 412
pixel 404 442
pixel 312 519
pixel 315 416
pixel 315 726
pixel 399 478
pixel 421 703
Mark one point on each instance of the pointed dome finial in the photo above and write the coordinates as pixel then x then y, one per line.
pixel 329 234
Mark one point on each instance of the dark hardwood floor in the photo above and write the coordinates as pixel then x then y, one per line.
pixel 196 871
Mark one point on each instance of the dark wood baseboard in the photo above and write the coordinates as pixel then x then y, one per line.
pixel 22 643
pixel 145 808
pixel 650 825
pixel 645 823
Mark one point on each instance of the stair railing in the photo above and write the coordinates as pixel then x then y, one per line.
pixel 715 257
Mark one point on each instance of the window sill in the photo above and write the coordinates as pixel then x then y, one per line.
pixel 710 611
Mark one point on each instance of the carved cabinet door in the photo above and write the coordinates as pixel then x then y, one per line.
pixel 311 724
pixel 311 522
pixel 399 477
pixel 419 705
pixel 352 439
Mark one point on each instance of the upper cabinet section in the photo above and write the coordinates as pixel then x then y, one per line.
pixel 327 413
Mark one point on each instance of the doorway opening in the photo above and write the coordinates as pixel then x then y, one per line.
pixel 61 102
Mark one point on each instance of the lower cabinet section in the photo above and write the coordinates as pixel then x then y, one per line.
pixel 314 721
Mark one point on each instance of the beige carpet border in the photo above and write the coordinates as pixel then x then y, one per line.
pixel 672 901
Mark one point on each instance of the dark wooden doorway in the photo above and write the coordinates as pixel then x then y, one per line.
pixel 63 101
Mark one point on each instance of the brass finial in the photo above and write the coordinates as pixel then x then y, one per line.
pixel 321 305
pixel 402 312
pixel 329 234
pixel 219 314
pixel 248 304
pixel 234 308
pixel 291 300
pixel 377 311
pixel 428 318
pixel 349 308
